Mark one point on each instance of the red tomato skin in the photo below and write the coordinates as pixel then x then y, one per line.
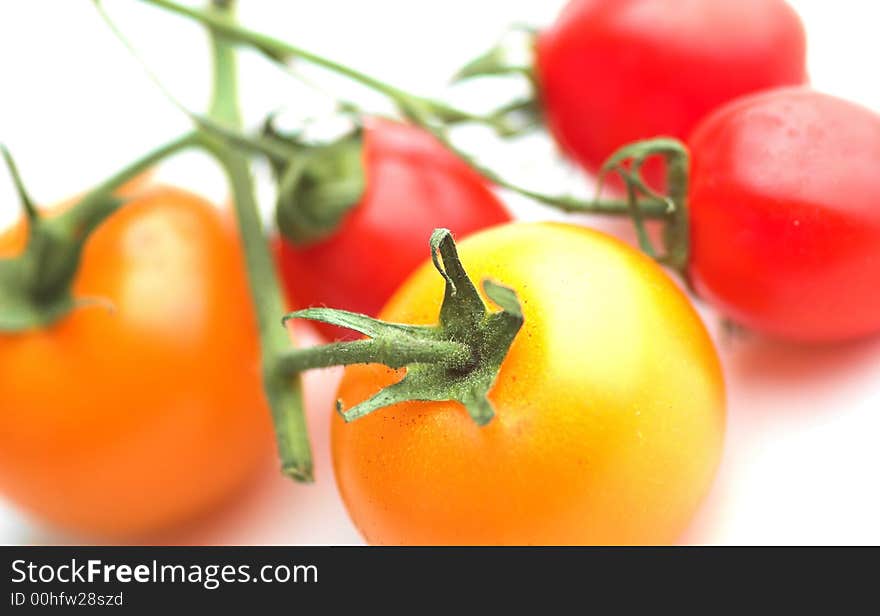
pixel 413 185
pixel 611 72
pixel 785 225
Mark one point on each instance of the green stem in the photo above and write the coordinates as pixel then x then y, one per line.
pixel 284 392
pixel 654 209
pixel 457 359
pixel 224 106
pixel 282 52
pixel 377 351
pixel 98 203
pixel 30 209
pixel 36 286
pixel 425 112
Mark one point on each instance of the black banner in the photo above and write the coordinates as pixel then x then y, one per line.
pixel 133 579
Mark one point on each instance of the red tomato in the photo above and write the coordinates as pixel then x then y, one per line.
pixel 413 185
pixel 616 71
pixel 785 226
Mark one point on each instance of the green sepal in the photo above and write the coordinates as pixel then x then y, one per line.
pixel 458 359
pixel 36 285
pixel 627 162
pixel 318 184
pixel 20 310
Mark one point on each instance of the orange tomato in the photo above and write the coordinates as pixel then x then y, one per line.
pixel 127 417
pixel 609 408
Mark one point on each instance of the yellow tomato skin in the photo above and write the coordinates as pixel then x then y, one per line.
pixel 610 408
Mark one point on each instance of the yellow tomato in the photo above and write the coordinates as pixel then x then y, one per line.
pixel 609 408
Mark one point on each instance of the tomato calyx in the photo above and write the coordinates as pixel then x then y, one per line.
pixel 24 301
pixel 318 184
pixel 457 359
pixel 627 163
pixel 36 285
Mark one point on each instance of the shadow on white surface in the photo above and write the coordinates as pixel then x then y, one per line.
pixel 800 451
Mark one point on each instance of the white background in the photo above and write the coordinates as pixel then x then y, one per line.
pixel 801 460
